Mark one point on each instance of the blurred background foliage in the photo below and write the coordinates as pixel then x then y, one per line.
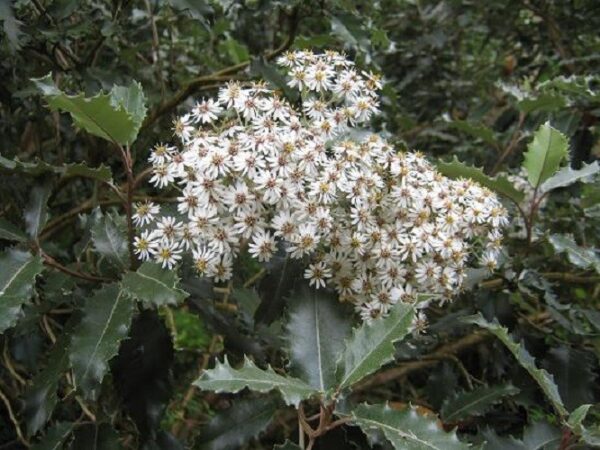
pixel 462 78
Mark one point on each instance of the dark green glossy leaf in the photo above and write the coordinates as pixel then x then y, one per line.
pixel 500 184
pixel 38 167
pixel 578 256
pixel 224 378
pixel 17 278
pixel 116 116
pixel 567 176
pixel 110 240
pixel 475 402
pixel 41 398
pixel 372 345
pixel 406 429
pixel 316 331
pixel 105 323
pixel 153 285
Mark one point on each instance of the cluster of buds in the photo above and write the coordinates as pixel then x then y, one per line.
pixel 258 174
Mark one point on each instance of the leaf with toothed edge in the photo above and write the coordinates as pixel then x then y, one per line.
pixel 406 429
pixel 153 285
pixel 544 380
pixel 224 378
pixel 500 184
pixel 372 345
pixel 567 176
pixel 105 323
pixel 475 402
pixel 17 278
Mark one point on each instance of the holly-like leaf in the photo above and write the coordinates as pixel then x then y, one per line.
pixel 537 436
pixel 17 278
pixel 372 345
pixel 10 232
pixel 577 417
pixel 110 240
pixel 153 285
pixel 406 429
pixel 36 211
pixel 567 176
pixel 545 154
pixel 499 184
pixel 39 167
pixel 475 402
pixel 232 428
pixel 316 332
pixel 578 256
pixel 224 378
pixel 55 436
pixel 105 323
pixel 116 116
pixel 542 378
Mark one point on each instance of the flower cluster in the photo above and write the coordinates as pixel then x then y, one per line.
pixel 258 174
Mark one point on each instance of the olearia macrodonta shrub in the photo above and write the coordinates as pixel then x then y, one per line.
pixel 256 172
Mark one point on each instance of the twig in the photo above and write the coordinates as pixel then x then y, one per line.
pixel 14 420
pixel 220 75
pixel 51 262
pixel 514 140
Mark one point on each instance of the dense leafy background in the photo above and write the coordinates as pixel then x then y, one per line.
pixel 94 357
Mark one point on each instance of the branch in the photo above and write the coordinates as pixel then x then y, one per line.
pixel 220 75
pixel 433 358
pixel 51 262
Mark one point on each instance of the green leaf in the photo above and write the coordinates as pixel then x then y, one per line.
pixel 544 102
pixel 36 211
pixel 316 331
pixel 105 323
pixel 545 154
pixel 567 176
pixel 40 399
pixel 542 378
pixel 10 232
pixel 224 378
pixel 153 285
pixel 232 428
pixel 475 402
pixel 578 256
pixel 110 240
pixel 372 345
pixel 17 279
pixel 501 185
pixel 477 131
pixel 577 417
pixel 116 116
pixel 406 429
pixel 39 167
pixel 55 437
